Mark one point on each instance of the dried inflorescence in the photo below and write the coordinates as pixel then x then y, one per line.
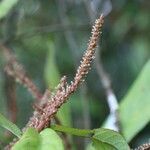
pixel 49 103
pixel 89 54
pixel 16 71
pixel 64 90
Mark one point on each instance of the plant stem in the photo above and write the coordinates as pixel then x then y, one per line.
pixel 78 132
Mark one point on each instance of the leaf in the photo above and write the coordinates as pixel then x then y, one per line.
pixel 50 140
pixel 135 107
pixel 105 139
pixel 32 140
pixel 98 145
pixel 29 141
pixel 5 123
pixel 5 6
pixel 90 147
pixel 52 75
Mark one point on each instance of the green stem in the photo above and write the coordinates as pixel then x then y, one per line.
pixel 73 131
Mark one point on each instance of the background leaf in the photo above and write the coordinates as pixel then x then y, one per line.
pixel 52 75
pixel 135 107
pixel 50 140
pixel 5 6
pixel 10 126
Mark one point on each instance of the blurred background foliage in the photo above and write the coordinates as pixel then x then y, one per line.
pixel 49 37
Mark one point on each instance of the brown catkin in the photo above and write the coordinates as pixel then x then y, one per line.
pixel 64 90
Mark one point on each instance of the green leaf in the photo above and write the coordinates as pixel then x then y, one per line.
pixel 98 145
pixel 135 107
pixel 32 140
pixel 73 131
pixel 50 140
pixel 29 141
pixel 105 139
pixel 5 6
pixel 5 123
pixel 90 147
